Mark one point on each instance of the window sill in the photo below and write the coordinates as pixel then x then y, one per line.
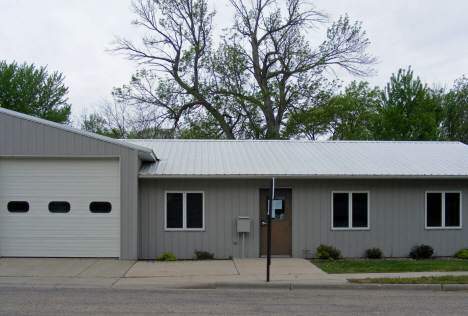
pixel 351 229
pixel 443 228
pixel 184 229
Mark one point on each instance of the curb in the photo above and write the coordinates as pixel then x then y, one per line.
pixel 280 286
pixel 347 286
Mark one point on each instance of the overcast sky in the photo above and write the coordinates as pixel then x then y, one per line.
pixel 71 37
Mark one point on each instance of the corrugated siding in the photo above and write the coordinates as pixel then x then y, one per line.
pixel 305 158
pixel 397 215
pixel 20 137
pixel 224 202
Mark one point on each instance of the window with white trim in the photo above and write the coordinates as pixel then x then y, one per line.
pixel 443 209
pixel 185 210
pixel 350 210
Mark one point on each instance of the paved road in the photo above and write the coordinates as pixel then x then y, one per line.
pixel 34 301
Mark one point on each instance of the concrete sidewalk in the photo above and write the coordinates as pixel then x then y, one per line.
pixel 286 274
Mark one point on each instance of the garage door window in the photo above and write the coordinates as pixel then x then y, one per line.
pixel 100 207
pixel 18 207
pixel 184 211
pixel 59 207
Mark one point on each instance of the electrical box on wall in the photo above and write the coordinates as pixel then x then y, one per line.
pixel 243 224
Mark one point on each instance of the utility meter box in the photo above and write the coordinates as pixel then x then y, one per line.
pixel 243 224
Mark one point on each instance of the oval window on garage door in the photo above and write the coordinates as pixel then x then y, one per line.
pixel 100 207
pixel 18 206
pixel 59 207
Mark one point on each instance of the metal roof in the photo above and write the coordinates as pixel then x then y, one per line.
pixel 145 153
pixel 287 158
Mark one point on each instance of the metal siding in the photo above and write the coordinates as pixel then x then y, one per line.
pixel 129 191
pixel 225 200
pixel 397 209
pixel 30 137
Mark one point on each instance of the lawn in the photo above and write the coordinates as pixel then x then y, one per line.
pixel 422 280
pixel 391 265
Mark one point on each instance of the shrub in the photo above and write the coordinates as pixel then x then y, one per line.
pixel 203 255
pixel 373 253
pixel 167 257
pixel 328 252
pixel 462 254
pixel 421 252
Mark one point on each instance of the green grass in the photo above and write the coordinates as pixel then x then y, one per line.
pixel 393 265
pixel 422 280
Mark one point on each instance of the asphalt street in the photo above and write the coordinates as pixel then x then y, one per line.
pixel 37 301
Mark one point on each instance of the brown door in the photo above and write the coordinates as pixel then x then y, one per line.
pixel 280 223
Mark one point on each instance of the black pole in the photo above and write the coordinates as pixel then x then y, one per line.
pixel 270 208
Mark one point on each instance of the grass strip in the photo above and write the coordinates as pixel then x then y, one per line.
pixel 422 280
pixel 394 265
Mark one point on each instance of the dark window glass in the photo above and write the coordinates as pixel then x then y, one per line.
pixel 100 207
pixel 279 212
pixel 359 210
pixel 452 209
pixel 18 206
pixel 59 207
pixel 174 211
pixel 434 209
pixel 279 207
pixel 340 210
pixel 194 210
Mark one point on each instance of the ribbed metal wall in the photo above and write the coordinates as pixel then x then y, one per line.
pixel 21 137
pixel 397 215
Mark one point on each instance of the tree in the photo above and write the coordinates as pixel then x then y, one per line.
pixel 34 92
pixel 94 123
pixel 348 115
pixel 354 112
pixel 262 71
pixel 409 110
pixel 118 120
pixel 455 123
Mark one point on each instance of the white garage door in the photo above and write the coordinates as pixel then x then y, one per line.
pixel 59 207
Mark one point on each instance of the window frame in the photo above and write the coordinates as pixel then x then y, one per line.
pixel 443 192
pixel 350 211
pixel 184 211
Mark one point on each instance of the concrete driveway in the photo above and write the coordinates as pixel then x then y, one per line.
pixel 63 271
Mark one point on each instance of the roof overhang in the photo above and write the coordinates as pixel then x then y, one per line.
pixel 309 177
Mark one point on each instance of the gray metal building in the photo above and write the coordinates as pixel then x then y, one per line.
pixel 351 195
pixel 69 193
pixel 49 176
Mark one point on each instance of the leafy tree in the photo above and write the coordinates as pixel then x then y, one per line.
pixel 262 71
pixel 353 113
pixel 409 110
pixel 349 115
pixel 455 123
pixel 34 92
pixel 95 124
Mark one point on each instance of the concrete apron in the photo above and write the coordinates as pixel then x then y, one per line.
pixel 71 272
pixel 286 274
